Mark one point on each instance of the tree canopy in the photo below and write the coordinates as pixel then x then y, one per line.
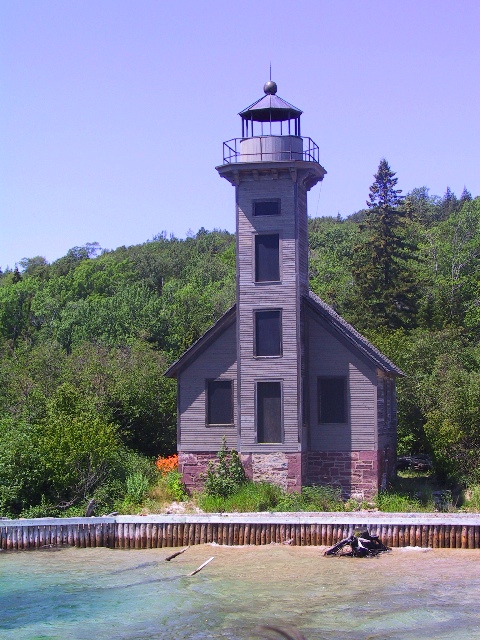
pixel 84 341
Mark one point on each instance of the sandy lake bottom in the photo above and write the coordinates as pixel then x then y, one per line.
pixel 407 594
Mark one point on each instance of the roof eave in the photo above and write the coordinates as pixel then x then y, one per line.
pixel 197 347
pixel 354 338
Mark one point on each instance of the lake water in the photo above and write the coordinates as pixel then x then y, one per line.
pixel 97 594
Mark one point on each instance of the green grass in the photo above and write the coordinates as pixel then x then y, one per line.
pixel 263 496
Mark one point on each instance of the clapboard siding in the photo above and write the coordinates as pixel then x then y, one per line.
pixel 328 356
pixel 219 361
pixel 387 411
pixel 284 295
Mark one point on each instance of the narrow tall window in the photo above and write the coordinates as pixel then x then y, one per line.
pixel 269 412
pixel 266 208
pixel 332 400
pixel 267 258
pixel 268 333
pixel 219 402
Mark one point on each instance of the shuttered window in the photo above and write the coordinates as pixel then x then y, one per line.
pixel 269 412
pixel 268 333
pixel 219 402
pixel 266 208
pixel 332 400
pixel 267 258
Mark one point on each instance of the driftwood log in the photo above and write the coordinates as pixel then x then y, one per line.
pixel 201 566
pixel 361 546
pixel 174 555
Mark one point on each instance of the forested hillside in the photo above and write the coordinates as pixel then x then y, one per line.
pixel 84 341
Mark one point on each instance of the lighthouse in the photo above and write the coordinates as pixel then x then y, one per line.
pixel 272 173
pixel 302 396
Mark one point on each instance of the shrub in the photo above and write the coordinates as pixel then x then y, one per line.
pixel 472 498
pixel 176 488
pixel 225 475
pixel 137 486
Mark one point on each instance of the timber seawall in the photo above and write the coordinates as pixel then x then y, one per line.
pixel 435 530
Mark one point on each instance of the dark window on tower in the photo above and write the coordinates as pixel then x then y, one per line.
pixel 266 208
pixel 268 333
pixel 219 402
pixel 269 412
pixel 267 258
pixel 332 400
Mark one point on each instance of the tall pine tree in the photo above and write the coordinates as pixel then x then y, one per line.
pixel 382 259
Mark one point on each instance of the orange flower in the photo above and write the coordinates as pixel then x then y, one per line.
pixel 165 465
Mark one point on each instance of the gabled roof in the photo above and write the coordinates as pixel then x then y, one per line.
pixel 203 342
pixel 331 317
pixel 351 334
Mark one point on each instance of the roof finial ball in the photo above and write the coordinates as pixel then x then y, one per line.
pixel 270 88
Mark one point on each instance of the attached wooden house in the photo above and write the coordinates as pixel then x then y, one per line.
pixel 302 396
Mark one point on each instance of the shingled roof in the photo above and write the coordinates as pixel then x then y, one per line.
pixel 331 317
pixel 351 335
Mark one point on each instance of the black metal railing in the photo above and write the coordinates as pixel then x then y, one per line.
pixel 233 154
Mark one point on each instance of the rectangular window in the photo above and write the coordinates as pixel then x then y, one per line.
pixel 267 257
pixel 269 412
pixel 268 333
pixel 219 402
pixel 332 400
pixel 266 208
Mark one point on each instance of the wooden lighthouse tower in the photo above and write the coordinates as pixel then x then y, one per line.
pixel 293 387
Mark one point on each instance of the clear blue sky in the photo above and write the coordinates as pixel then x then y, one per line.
pixel 116 110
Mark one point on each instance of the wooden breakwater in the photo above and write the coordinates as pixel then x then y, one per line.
pixel 438 531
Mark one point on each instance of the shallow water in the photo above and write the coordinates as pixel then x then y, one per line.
pixel 103 593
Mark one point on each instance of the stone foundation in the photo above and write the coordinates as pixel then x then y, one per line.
pixel 193 466
pixel 358 473
pixel 284 469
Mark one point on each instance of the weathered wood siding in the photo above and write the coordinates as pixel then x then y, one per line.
pixel 216 362
pixel 438 531
pixel 387 426
pixel 328 356
pixel 284 295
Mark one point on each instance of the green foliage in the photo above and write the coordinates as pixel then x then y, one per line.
pixel 392 502
pixel 77 445
pixel 108 324
pixel 382 257
pixel 472 498
pixel 176 488
pixel 264 496
pixel 249 497
pixel 315 498
pixel 137 486
pixel 225 475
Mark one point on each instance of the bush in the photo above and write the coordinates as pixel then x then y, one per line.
pixel 137 487
pixel 226 475
pixel 472 498
pixel 175 486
